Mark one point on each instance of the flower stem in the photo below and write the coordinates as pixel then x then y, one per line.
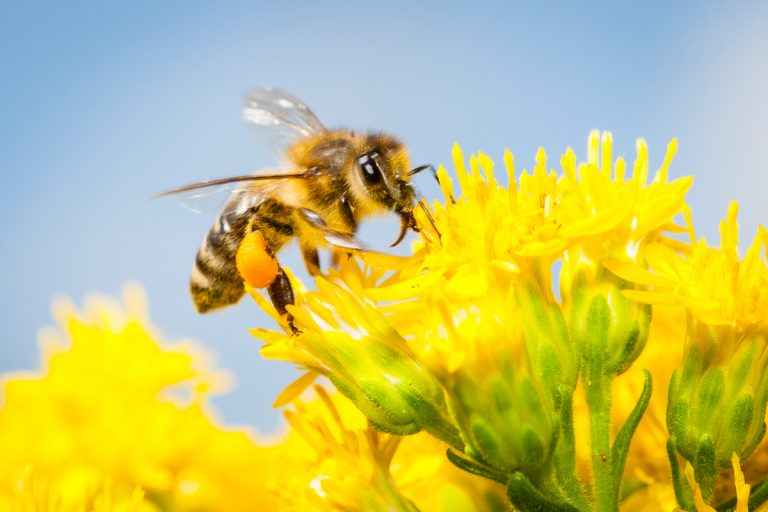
pixel 565 454
pixel 598 390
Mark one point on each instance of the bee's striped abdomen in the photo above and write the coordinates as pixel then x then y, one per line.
pixel 215 282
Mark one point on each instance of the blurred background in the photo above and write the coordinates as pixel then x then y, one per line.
pixel 103 104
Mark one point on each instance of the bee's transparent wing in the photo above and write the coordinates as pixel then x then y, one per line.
pixel 279 118
pixel 224 199
pixel 229 195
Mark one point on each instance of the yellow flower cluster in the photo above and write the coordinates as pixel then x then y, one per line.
pixel 473 250
pixel 558 289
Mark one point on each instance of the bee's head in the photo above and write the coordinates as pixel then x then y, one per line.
pixel 384 171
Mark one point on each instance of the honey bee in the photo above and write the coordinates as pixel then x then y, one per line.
pixel 328 182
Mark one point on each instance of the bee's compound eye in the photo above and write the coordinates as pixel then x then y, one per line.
pixel 370 168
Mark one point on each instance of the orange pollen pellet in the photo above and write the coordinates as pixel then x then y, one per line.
pixel 256 266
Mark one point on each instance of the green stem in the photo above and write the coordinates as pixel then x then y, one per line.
pixel 598 391
pixel 565 455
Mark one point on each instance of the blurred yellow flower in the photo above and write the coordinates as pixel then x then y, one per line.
pixel 115 413
pixel 30 493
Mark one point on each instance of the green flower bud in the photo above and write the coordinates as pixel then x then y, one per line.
pixel 609 329
pixel 717 398
pixel 506 396
pixel 506 418
pixel 391 388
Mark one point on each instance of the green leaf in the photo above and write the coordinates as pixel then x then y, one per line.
pixel 476 468
pixel 624 438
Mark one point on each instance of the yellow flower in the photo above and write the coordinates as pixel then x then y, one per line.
pixel 726 351
pixel 116 412
pixel 715 284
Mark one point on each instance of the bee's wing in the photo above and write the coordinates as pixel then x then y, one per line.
pixel 225 199
pixel 278 117
pixel 228 195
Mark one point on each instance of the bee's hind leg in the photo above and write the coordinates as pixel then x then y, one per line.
pixel 281 293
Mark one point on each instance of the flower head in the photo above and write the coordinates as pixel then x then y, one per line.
pixel 726 356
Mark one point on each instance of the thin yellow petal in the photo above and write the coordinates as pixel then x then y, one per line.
pixel 404 289
pixel 294 389
pixel 645 297
pixel 631 272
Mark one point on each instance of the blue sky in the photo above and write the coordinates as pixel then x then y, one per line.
pixel 104 104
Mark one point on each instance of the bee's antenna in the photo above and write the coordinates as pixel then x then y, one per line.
pixel 432 169
pixel 420 168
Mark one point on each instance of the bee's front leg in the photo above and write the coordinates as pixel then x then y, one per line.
pixel 281 293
